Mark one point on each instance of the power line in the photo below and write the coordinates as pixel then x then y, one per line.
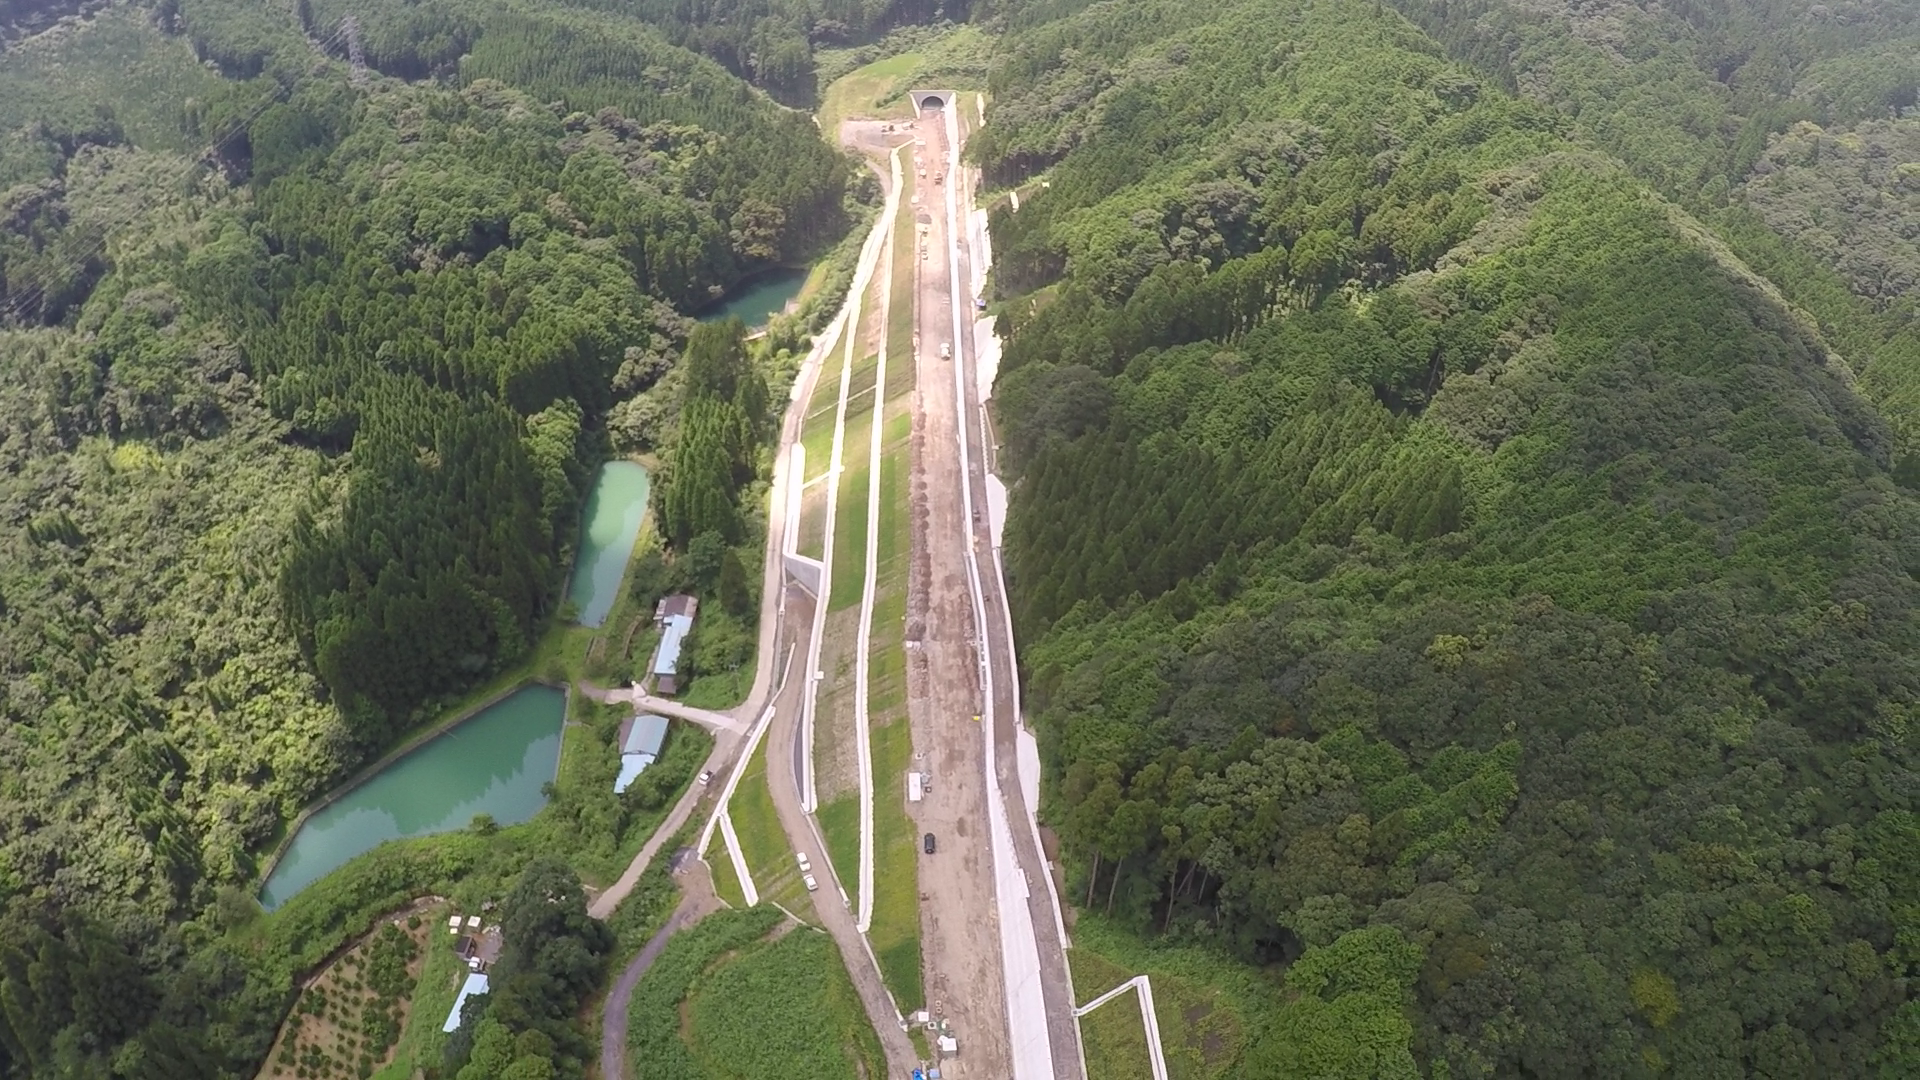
pixel 351 27
pixel 25 301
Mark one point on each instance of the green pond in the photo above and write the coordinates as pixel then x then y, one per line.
pixel 614 510
pixel 494 763
pixel 757 301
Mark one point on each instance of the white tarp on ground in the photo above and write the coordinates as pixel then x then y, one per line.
pixel 476 984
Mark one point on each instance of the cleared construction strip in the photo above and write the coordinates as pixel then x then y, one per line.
pixel 1032 1043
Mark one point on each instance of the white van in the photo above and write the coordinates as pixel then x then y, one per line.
pixel 946 350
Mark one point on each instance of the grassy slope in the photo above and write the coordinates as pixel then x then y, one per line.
pixel 1208 1006
pixel 780 1008
pixel 726 883
pixel 860 92
pixel 762 842
pixel 896 914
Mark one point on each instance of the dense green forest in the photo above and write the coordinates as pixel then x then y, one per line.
pixel 1447 565
pixel 303 377
pixel 1785 125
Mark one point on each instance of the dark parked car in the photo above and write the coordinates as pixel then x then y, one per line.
pixel 927 843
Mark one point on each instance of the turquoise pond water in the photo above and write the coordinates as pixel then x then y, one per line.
pixel 610 526
pixel 756 302
pixel 494 763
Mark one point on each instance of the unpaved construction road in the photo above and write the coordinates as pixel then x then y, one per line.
pixel 959 913
pixel 996 966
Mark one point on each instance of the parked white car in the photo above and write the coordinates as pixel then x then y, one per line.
pixel 812 885
pixel 800 857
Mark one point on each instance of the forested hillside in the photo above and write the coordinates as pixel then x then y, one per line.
pixel 1442 565
pixel 1784 124
pixel 303 379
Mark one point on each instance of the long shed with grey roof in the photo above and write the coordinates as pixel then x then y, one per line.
pixel 641 739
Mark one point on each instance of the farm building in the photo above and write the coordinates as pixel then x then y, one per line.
pixel 674 615
pixel 641 738
pixel 480 950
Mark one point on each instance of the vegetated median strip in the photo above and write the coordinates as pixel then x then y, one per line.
pixel 896 917
pixel 895 933
pixel 862 661
pixel 740 869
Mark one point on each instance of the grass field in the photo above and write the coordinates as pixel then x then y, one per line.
pixel 1112 1036
pixel 956 59
pixel 762 842
pixel 781 1008
pixel 895 933
pixel 726 883
pixel 860 92
pixel 896 913
pixel 1208 1006
pixel 657 1047
pixel 850 527
pixel 840 824
pixel 905 262
pixel 816 429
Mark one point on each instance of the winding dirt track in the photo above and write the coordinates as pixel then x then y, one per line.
pixel 613 1018
pixel 697 901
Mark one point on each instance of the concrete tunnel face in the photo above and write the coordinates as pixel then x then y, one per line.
pixel 928 100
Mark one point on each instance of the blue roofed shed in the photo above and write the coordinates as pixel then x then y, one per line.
pixel 643 734
pixel 641 738
pixel 666 659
